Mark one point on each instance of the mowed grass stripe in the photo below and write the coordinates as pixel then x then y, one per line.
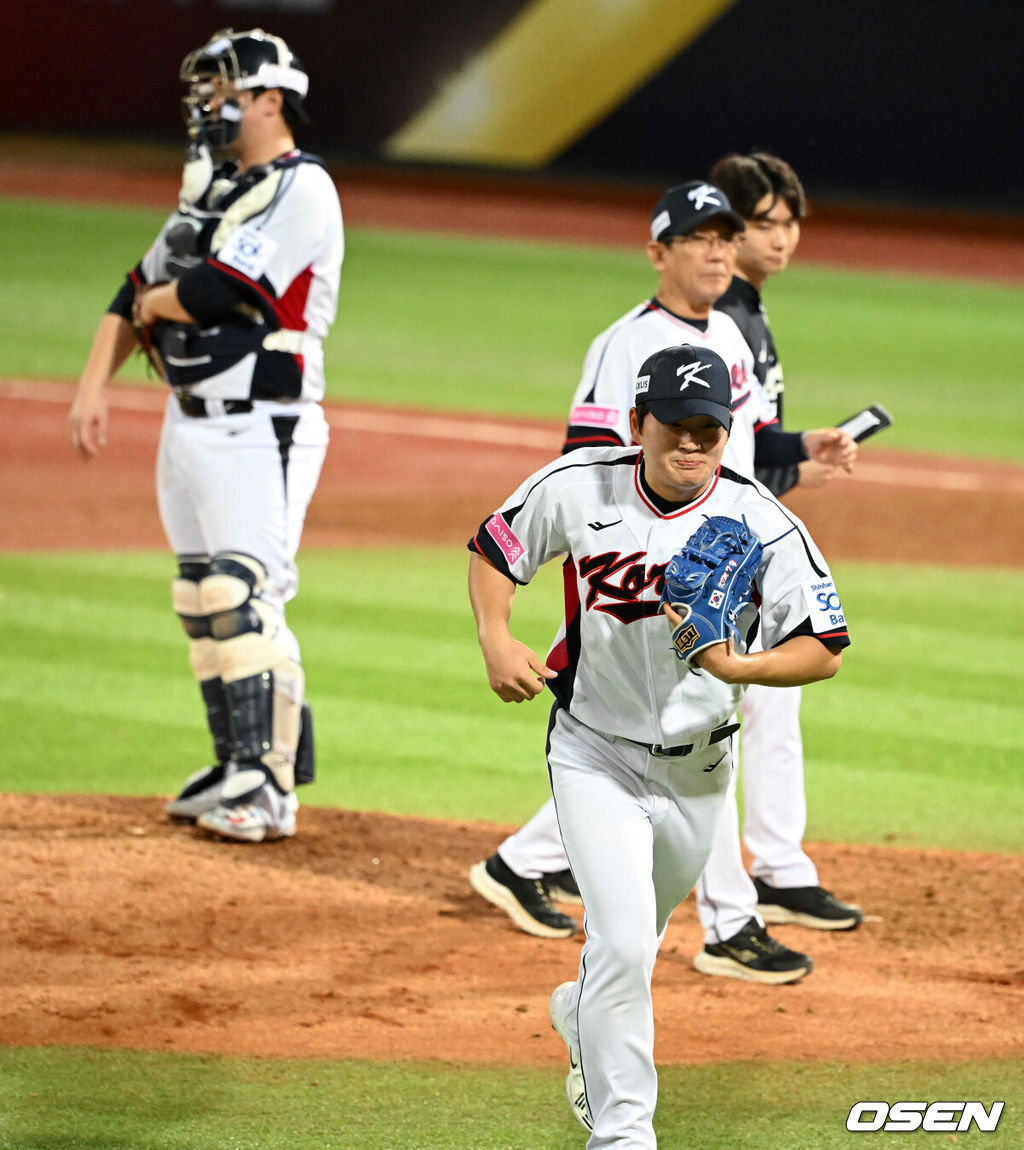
pixel 502 326
pixel 407 724
pixel 81 1099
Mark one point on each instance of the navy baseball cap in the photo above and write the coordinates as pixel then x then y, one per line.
pixel 687 206
pixel 680 382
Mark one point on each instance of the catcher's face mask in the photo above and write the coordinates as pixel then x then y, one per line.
pixel 212 112
pixel 232 63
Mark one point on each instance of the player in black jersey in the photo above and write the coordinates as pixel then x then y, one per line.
pixel 784 884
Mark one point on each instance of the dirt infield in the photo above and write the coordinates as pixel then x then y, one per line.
pixel 897 507
pixel 387 952
pixel 361 936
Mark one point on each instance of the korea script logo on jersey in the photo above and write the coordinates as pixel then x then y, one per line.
pixel 739 377
pixel 617 581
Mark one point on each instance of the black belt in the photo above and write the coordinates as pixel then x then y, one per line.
pixel 195 408
pixel 716 736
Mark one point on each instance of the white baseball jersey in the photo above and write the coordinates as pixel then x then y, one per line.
pixel 257 259
pixel 617 672
pixel 258 262
pixel 600 407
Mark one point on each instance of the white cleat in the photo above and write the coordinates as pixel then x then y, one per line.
pixel 201 792
pixel 574 1087
pixel 251 810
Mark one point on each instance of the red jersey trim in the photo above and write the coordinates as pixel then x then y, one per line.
pixel 767 423
pixel 558 656
pixel 235 274
pixel 290 307
pixel 683 510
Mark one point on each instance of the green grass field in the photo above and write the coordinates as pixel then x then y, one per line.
pixel 112 1100
pixel 502 326
pixel 109 669
pixel 915 744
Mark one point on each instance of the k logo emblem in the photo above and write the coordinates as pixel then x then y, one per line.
pixel 689 373
pixel 704 195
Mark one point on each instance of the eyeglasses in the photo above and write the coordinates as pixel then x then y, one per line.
pixel 706 240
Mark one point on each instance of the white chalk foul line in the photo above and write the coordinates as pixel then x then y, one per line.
pixel 465 429
pixel 435 427
pixel 501 433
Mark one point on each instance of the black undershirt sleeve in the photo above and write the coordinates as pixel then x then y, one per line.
pixel 776 459
pixel 775 448
pixel 122 303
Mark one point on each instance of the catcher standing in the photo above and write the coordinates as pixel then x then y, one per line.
pixel 640 736
pixel 232 303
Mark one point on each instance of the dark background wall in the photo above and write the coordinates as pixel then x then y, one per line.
pixel 913 101
pixel 884 98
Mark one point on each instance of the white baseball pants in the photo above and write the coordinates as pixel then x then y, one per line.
pixel 535 849
pixel 775 815
pixel 222 486
pixel 637 831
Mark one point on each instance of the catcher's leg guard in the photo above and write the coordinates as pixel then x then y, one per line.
pixel 217 716
pixel 262 683
pixel 305 752
pixel 192 569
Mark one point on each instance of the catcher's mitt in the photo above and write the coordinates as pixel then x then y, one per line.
pixel 144 332
pixel 709 582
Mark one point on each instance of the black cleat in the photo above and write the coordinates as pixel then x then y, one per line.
pixel 527 901
pixel 562 887
pixel 752 954
pixel 811 906
pixel 201 792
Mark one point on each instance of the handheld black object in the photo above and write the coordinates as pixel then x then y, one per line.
pixel 867 422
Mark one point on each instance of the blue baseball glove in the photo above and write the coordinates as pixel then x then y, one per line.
pixel 709 582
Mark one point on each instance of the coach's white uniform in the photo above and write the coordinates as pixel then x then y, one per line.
pixel 604 395
pixel 628 809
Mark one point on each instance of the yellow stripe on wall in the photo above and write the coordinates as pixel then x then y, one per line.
pixel 550 76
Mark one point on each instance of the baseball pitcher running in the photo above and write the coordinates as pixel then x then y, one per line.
pixel 672 561
pixel 694 237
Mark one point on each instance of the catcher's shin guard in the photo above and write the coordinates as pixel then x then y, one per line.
pixel 305 753
pixel 265 711
pixel 263 685
pixel 218 717
pixel 192 569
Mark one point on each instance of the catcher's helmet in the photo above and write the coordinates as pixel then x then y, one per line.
pixel 243 61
